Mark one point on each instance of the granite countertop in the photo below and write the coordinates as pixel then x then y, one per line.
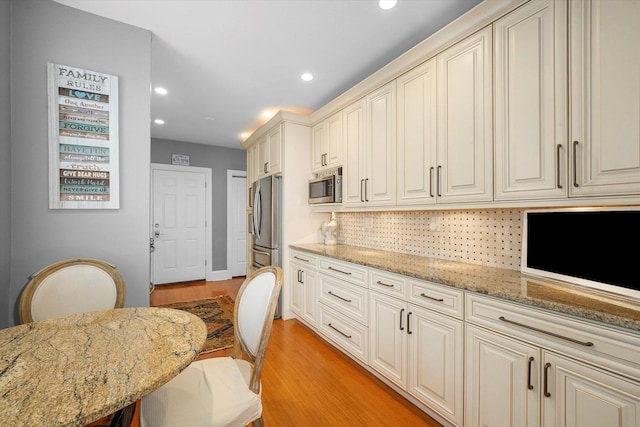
pixel 506 284
pixel 73 370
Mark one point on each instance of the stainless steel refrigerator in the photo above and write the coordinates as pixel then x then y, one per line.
pixel 266 225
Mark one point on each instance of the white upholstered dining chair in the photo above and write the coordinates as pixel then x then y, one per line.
pixel 71 286
pixel 223 391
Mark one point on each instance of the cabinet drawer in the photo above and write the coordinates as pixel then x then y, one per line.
pixel 349 335
pixel 440 298
pixel 345 298
pixel 610 348
pixel 388 283
pixel 304 258
pixel 344 271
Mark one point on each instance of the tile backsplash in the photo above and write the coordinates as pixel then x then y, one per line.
pixel 489 237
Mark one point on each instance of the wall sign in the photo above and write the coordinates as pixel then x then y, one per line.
pixel 180 159
pixel 83 139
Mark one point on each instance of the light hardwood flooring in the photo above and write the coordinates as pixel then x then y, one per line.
pixel 306 381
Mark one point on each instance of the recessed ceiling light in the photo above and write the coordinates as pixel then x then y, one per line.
pixel 307 77
pixel 159 121
pixel 161 91
pixel 387 4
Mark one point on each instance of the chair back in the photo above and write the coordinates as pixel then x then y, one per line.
pixel 71 286
pixel 253 316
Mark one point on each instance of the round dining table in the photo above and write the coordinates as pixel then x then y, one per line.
pixel 73 370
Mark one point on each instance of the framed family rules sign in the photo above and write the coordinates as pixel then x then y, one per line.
pixel 83 138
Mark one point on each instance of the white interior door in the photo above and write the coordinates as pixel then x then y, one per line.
pixel 236 223
pixel 178 226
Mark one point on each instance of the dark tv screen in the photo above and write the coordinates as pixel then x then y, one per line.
pixel 600 246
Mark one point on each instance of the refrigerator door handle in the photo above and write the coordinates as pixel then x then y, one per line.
pixel 257 212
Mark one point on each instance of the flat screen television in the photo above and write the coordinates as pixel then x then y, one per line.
pixel 597 248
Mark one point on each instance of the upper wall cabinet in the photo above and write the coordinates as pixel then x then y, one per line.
pixel 269 149
pixel 326 143
pixel 465 121
pixel 369 128
pixel 605 97
pixel 530 65
pixel 416 121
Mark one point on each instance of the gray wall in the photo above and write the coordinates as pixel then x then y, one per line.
pixel 5 166
pixel 44 31
pixel 219 159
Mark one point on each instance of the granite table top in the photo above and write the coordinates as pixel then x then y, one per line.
pixel 505 284
pixel 73 370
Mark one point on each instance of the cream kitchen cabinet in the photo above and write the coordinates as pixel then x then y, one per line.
pixel 445 129
pixel 527 367
pixel 343 306
pixel 530 66
pixel 414 346
pixel 326 143
pixel 303 273
pixel 370 139
pixel 605 97
pixel 464 172
pixel 268 151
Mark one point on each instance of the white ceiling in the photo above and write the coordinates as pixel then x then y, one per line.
pixel 225 61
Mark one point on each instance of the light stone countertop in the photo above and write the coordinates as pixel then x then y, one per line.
pixel 73 370
pixel 506 284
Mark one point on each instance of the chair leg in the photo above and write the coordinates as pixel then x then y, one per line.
pixel 258 423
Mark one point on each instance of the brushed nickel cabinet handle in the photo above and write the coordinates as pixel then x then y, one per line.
pixel 366 185
pixel 542 331
pixel 338 331
pixel 338 296
pixel 575 164
pixel 530 362
pixel 301 259
pixel 348 273
pixel 431 181
pixel 423 295
pixel 409 323
pixel 384 284
pixel 401 311
pixel 299 276
pixel 546 379
pixel 558 180
pixel 439 184
pixel 361 190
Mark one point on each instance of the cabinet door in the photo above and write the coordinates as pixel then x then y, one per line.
pixel 380 178
pixel 333 141
pixel 579 395
pixel 465 120
pixel 502 381
pixel 605 97
pixel 417 135
pixel 388 337
pixel 275 150
pixel 317 147
pixel 353 172
pixel 435 344
pixel 530 57
pixel 296 303
pixel 262 158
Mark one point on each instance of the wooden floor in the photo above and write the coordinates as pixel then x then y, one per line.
pixel 306 381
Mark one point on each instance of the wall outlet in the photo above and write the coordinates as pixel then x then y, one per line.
pixel 368 222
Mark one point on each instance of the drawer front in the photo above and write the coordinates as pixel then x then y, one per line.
pixel 388 283
pixel 345 298
pixel 349 335
pixel 344 271
pixel 607 347
pixel 442 299
pixel 304 258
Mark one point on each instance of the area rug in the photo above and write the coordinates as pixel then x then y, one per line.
pixel 217 314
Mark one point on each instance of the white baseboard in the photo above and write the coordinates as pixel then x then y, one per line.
pixel 213 276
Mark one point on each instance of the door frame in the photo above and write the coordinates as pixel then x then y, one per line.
pixel 208 238
pixel 230 174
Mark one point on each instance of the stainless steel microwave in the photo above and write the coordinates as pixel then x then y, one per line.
pixel 326 188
